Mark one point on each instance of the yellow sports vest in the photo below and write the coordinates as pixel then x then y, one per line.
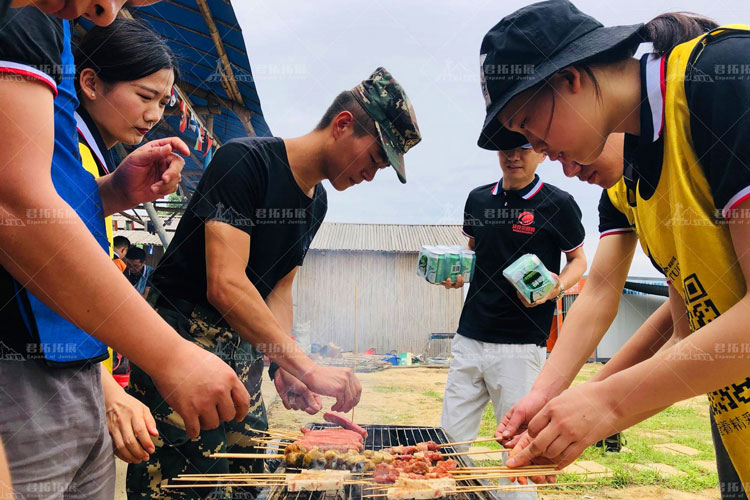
pixel 92 167
pixel 681 230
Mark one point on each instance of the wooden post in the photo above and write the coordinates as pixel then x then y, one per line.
pixel 355 339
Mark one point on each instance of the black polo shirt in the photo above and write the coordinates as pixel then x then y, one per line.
pixel 248 185
pixel 539 219
pixel 4 5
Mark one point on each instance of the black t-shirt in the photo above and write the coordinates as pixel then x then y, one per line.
pixel 611 220
pixel 31 44
pixel 539 219
pixel 248 185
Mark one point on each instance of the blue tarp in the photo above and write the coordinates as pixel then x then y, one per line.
pixel 181 23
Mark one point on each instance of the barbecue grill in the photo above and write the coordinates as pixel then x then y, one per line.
pixel 378 437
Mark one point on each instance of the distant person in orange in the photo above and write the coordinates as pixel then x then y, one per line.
pixel 120 245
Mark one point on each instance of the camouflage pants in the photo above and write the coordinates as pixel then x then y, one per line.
pixel 176 454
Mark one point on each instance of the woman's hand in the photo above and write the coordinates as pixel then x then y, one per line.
pixel 150 172
pixel 129 421
pixel 568 424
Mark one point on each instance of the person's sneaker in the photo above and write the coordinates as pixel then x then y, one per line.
pixel 613 443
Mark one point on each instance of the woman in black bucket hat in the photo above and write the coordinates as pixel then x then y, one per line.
pixel 557 78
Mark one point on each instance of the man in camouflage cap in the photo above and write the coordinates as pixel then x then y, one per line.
pixel 263 193
pixel 385 101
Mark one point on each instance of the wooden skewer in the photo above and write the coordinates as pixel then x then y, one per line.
pixel 520 487
pixel 272 432
pixel 281 432
pixel 473 478
pixel 486 440
pixel 213 485
pixel 475 452
pixel 505 467
pixel 354 362
pixel 243 483
pixel 515 487
pixel 235 476
pixel 260 456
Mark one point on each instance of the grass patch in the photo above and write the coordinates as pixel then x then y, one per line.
pixel 688 426
pixel 433 394
pixel 391 388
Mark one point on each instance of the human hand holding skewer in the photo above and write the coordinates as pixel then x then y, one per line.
pixel 294 394
pixel 568 424
pixel 522 441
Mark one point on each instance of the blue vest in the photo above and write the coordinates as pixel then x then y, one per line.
pixel 62 342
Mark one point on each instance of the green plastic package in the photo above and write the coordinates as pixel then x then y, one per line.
pixel 439 263
pixel 530 277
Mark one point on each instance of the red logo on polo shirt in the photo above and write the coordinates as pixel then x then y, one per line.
pixel 524 225
pixel 526 218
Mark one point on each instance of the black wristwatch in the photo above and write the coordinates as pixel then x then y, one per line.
pixel 272 369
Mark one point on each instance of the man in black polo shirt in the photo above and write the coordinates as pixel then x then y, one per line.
pixel 226 279
pixel 501 341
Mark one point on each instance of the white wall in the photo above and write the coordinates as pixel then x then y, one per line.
pixel 632 312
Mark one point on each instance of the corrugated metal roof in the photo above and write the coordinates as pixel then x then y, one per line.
pixel 361 237
pixel 385 237
pixel 142 237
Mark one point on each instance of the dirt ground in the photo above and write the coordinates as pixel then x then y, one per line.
pixel 413 396
pixel 408 396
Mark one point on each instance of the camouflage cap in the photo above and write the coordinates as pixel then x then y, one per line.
pixel 383 98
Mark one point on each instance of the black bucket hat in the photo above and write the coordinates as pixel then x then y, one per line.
pixel 530 45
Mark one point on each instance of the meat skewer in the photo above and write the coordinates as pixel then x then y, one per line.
pixel 317 480
pixel 344 422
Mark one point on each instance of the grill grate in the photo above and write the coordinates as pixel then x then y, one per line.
pixel 379 437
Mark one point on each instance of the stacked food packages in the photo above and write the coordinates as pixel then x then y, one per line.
pixel 530 277
pixel 438 263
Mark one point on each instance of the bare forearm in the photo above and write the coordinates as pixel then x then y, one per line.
pixel 5 480
pixel 585 325
pixel 647 341
pixel 590 316
pixel 279 302
pixel 69 271
pixel 109 385
pixel 114 200
pixel 243 307
pixel 572 272
pixel 671 375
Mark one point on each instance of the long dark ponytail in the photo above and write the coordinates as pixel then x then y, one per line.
pixel 124 51
pixel 673 28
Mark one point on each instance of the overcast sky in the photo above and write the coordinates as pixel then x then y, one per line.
pixel 303 53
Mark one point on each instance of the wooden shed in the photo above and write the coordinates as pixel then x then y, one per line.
pixel 395 309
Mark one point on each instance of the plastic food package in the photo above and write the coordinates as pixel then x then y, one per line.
pixel 439 263
pixel 530 277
